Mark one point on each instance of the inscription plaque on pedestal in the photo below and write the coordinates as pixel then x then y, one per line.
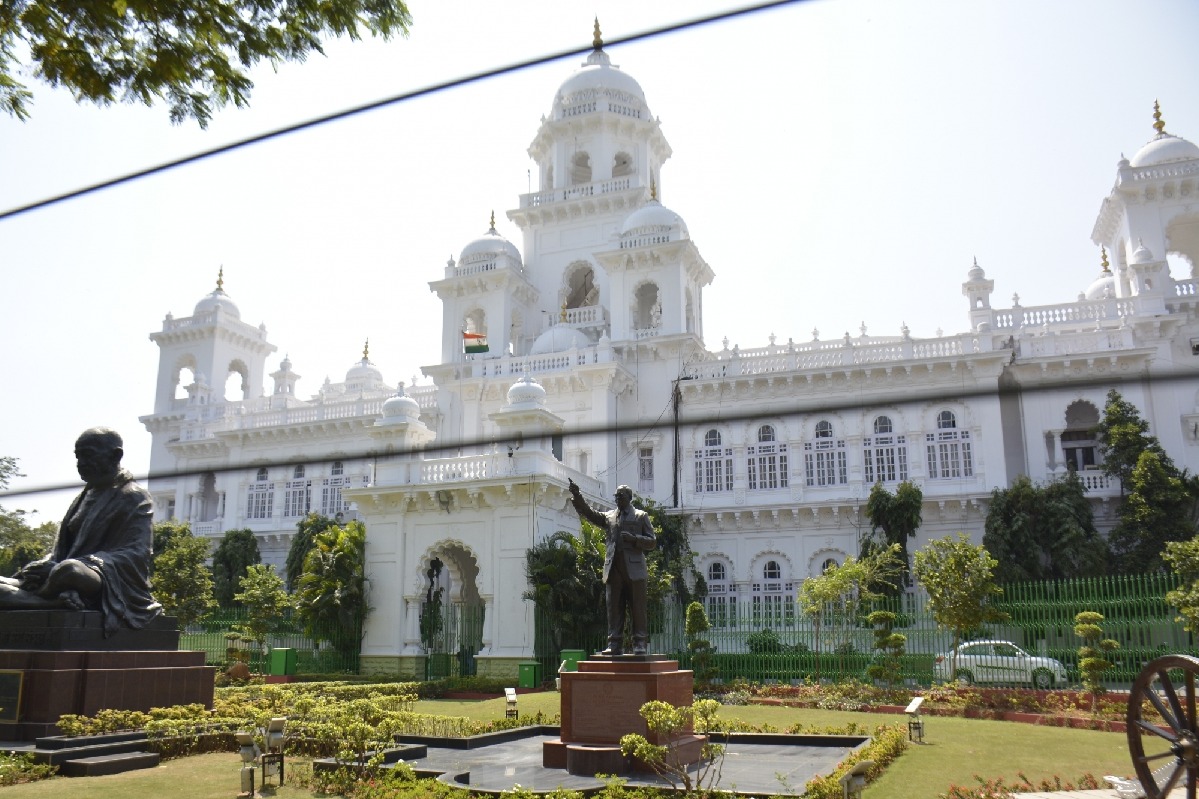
pixel 11 683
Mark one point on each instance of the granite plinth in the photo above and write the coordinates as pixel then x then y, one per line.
pixel 67 666
pixel 81 630
pixel 601 702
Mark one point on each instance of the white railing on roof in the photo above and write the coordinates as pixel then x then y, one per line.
pixel 1184 288
pixel 1159 172
pixel 497 465
pixel 1065 313
pixel 586 315
pixel 1072 343
pixel 1097 481
pixel 515 366
pixel 580 191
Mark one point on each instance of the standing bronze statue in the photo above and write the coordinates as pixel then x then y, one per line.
pixel 629 534
pixel 101 557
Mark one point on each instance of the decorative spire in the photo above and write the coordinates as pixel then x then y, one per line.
pixel 220 279
pixel 653 187
pixel 562 316
pixel 597 39
pixel 1103 260
pixel 1158 124
pixel 366 350
pixel 492 230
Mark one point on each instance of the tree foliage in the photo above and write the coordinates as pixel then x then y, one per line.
pixel 959 579
pixel 1159 508
pixel 698 645
pixel 237 551
pixel 20 542
pixel 302 544
pixel 261 593
pixel 566 583
pixel 331 593
pixel 667 723
pixel 1092 655
pixel 182 583
pixel 896 517
pixel 672 561
pixel 1043 532
pixel 1123 436
pixel 194 54
pixel 890 647
pixel 1183 560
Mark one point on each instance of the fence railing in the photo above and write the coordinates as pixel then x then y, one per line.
pixel 219 637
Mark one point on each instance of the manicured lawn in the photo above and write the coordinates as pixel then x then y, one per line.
pixel 956 749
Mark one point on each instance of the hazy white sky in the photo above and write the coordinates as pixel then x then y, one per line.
pixel 837 162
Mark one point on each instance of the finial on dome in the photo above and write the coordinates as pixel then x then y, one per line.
pixel 220 278
pixel 492 223
pixel 653 187
pixel 366 350
pixel 1158 124
pixel 562 316
pixel 597 39
pixel 1103 260
pixel 976 262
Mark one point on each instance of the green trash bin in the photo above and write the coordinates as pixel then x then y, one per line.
pixel 571 658
pixel 282 662
pixel 530 674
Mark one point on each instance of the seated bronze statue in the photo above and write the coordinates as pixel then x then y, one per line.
pixel 101 557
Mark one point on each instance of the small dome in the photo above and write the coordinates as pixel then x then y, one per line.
pixel 364 374
pixel 526 393
pixel 400 407
pixel 599 78
pixel 1103 287
pixel 1165 149
pixel 976 272
pixel 652 223
pixel 1142 254
pixel 492 248
pixel 559 338
pixel 218 300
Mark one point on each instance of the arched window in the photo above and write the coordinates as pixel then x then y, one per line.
pixel 622 165
pixel 767 461
pixel 298 472
pixel 885 454
pixel 580 169
pixel 296 495
pixel 721 601
pixel 1080 447
pixel 825 461
pixel 773 597
pixel 338 469
pixel 829 563
pixel 713 465
pixel 948 449
pixel 260 498
pixel 331 499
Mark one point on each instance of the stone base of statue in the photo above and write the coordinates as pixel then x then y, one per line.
pixel 602 701
pixel 58 661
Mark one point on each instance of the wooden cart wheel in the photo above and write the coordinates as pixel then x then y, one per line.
pixel 1163 736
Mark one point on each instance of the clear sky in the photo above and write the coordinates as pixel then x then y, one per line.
pixel 838 162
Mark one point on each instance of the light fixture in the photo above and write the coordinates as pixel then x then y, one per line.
pixel 272 760
pixel 249 755
pixel 915 720
pixel 854 780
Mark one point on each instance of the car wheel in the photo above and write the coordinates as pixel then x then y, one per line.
pixel 965 677
pixel 1042 679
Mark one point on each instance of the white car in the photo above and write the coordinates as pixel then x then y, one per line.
pixel 999 662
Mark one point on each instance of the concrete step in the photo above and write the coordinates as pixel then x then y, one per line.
pixel 56 757
pixel 72 742
pixel 100 765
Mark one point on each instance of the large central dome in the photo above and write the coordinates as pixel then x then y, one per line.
pixel 597 79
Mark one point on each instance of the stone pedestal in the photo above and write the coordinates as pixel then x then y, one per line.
pixel 54 662
pixel 601 702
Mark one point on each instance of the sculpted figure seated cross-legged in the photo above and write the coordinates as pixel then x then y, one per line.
pixel 101 557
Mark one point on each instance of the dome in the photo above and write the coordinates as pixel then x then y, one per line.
pixel 400 407
pixel 1165 149
pixel 559 338
pixel 526 393
pixel 599 78
pixel 1103 287
pixel 364 374
pixel 218 300
pixel 976 273
pixel 1142 254
pixel 652 223
pixel 491 248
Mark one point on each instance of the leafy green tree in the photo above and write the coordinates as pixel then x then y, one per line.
pixel 700 647
pixel 194 54
pixel 20 543
pixel 182 583
pixel 894 518
pixel 168 531
pixel 237 551
pixel 566 583
pixel 302 544
pixel 331 594
pixel 887 665
pixel 1123 436
pixel 834 600
pixel 1183 560
pixel 959 578
pixel 666 723
pixel 672 561
pixel 262 594
pixel 1044 532
pixel 1092 655
pixel 1159 508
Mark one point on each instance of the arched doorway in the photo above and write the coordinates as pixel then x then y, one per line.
pixel 451 611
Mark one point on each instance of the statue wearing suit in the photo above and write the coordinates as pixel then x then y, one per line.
pixel 101 557
pixel 629 535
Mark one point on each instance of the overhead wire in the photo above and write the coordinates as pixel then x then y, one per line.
pixel 375 105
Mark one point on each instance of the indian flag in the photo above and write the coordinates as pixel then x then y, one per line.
pixel 474 342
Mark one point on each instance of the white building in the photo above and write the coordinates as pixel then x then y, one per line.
pixel 596 369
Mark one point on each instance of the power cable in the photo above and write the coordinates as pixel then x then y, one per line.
pixel 377 104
